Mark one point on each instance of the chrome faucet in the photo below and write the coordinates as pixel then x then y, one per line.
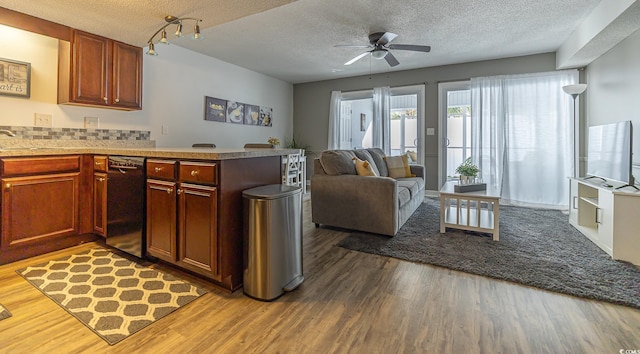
pixel 7 132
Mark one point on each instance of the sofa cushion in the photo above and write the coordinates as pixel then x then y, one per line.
pixel 398 166
pixel 378 157
pixel 364 168
pixel 404 196
pixel 412 183
pixel 364 155
pixel 412 186
pixel 338 162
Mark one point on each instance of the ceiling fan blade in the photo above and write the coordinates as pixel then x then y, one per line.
pixel 386 38
pixel 352 46
pixel 391 59
pixel 356 58
pixel 416 48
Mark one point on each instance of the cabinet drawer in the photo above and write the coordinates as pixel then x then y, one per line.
pixel 36 165
pixel 203 172
pixel 162 169
pixel 100 163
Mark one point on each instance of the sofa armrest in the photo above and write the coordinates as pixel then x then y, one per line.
pixel 418 170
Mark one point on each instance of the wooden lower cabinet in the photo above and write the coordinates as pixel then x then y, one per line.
pixel 161 220
pixel 182 225
pixel 100 203
pixel 198 236
pixel 39 207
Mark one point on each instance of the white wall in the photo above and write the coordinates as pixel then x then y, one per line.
pixel 174 86
pixel 614 88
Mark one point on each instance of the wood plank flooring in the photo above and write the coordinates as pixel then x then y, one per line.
pixel 350 302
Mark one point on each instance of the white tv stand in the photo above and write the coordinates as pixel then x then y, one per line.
pixel 608 216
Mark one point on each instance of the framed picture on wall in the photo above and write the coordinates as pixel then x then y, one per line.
pixel 215 109
pixel 15 78
pixel 363 122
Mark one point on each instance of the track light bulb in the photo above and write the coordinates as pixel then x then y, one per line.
pixel 152 50
pixel 196 32
pixel 163 37
pixel 179 30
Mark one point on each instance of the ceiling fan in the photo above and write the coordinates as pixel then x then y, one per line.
pixel 379 44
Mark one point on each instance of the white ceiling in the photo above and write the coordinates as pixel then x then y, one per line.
pixel 294 41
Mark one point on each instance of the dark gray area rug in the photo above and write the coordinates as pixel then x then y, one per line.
pixel 537 247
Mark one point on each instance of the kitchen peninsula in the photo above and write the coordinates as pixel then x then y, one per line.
pixel 54 197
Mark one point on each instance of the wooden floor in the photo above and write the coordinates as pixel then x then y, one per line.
pixel 350 302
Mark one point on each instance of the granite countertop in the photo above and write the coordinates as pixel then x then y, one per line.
pixel 154 152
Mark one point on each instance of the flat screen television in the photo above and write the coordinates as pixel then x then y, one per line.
pixel 609 152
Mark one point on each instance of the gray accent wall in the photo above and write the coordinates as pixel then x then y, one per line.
pixel 311 100
pixel 614 90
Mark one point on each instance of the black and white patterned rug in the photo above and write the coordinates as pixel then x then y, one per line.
pixel 111 295
pixel 537 247
pixel 4 313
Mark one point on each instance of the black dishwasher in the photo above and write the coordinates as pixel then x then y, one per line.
pixel 125 204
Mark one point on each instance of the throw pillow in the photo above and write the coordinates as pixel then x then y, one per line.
pixel 398 166
pixel 378 157
pixel 338 162
pixel 364 168
pixel 364 155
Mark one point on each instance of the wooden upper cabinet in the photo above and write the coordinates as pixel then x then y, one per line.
pixel 127 76
pixel 100 72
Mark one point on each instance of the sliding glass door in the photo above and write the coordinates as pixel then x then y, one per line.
pixel 455 127
pixel 406 114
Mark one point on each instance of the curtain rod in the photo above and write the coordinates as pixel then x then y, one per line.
pixel 367 89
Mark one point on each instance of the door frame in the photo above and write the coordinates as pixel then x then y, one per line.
pixel 443 89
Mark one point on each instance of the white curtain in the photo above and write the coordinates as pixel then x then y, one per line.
pixel 381 124
pixel 334 120
pixel 522 128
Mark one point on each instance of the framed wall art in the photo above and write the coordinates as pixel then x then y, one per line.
pixel 15 78
pixel 227 111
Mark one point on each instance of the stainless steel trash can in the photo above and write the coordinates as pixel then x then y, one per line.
pixel 272 241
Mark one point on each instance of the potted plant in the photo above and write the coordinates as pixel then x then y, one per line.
pixel 468 171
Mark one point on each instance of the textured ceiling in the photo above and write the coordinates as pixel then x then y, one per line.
pixel 294 41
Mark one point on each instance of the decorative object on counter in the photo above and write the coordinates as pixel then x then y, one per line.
pixel 468 171
pixel 259 146
pixel 111 295
pixel 15 78
pixel 221 110
pixel 4 313
pixel 172 20
pixel 273 141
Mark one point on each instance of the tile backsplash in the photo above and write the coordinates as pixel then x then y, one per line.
pixel 45 133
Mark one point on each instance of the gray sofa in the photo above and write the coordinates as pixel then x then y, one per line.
pixel 341 198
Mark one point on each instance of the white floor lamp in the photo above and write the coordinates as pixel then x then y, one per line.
pixel 575 91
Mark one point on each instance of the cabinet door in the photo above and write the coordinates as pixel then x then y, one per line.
pixel 38 208
pixel 90 68
pixel 573 201
pixel 161 220
pixel 604 214
pixel 100 203
pixel 126 82
pixel 198 247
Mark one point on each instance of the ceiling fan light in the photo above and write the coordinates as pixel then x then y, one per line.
pixel 379 53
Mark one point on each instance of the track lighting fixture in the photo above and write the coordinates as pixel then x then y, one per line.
pixel 172 20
